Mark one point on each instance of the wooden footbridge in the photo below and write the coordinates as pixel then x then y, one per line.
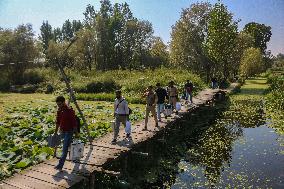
pixel 96 154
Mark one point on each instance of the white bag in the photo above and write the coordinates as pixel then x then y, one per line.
pixel 128 127
pixel 168 110
pixel 76 150
pixel 178 106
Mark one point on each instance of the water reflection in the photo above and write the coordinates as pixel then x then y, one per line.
pixel 213 147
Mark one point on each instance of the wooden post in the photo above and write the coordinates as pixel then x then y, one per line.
pixel 71 92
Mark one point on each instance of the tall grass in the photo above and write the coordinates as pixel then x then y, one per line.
pixel 132 83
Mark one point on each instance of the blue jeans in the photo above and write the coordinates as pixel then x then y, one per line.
pixel 187 94
pixel 67 139
pixel 160 109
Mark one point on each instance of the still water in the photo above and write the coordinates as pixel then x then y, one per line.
pixel 229 145
pixel 255 162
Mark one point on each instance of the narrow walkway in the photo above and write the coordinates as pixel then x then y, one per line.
pixel 44 176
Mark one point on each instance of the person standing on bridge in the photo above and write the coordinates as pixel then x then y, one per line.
pixel 188 87
pixel 151 101
pixel 121 114
pixel 66 122
pixel 162 95
pixel 173 95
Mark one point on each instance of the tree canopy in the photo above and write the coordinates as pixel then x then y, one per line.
pixel 261 34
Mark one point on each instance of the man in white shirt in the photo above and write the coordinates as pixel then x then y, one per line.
pixel 121 114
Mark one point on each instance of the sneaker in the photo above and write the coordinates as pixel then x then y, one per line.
pixel 128 135
pixel 159 120
pixel 113 141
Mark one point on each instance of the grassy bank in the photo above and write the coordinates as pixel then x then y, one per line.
pixel 274 101
pixel 100 85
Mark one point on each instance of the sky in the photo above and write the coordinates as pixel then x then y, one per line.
pixel 161 13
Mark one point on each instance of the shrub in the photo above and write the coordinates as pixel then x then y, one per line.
pixel 32 77
pixel 107 97
pixel 4 84
pixel 24 88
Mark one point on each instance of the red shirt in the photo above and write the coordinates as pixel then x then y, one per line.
pixel 66 119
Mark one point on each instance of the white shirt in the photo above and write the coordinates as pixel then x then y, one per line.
pixel 121 106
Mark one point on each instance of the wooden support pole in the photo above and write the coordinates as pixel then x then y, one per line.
pixel 71 91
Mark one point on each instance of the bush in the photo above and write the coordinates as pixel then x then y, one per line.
pixel 97 87
pixel 32 77
pixel 24 88
pixel 4 85
pixel 107 97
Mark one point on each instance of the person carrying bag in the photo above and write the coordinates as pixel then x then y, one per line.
pixel 121 114
pixel 66 122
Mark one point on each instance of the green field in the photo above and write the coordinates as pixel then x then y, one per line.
pixel 27 119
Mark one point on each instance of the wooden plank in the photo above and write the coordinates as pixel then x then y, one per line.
pixel 110 146
pixel 74 167
pixel 33 183
pixel 101 151
pixel 65 174
pixel 14 185
pixel 50 178
pixel 7 186
pixel 96 154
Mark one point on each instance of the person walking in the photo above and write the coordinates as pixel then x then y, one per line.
pixel 67 124
pixel 214 83
pixel 162 95
pixel 121 114
pixel 188 87
pixel 173 95
pixel 151 101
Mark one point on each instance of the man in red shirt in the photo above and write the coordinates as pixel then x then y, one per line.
pixel 66 122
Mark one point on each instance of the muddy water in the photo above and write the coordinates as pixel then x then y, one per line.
pixel 228 145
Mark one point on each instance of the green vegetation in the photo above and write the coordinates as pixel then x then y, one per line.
pixel 27 119
pixel 111 49
pixel 204 41
pixel 274 101
pixel 252 62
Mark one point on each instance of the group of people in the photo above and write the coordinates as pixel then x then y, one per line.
pixel 155 103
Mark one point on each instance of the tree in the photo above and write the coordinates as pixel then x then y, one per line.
pixel 159 53
pixel 83 50
pixel 243 42
pixel 252 62
pixel 261 34
pixel 57 35
pixel 187 38
pixel 67 31
pixel 89 14
pixel 55 53
pixel 17 51
pixel 46 34
pixel 278 61
pixel 221 39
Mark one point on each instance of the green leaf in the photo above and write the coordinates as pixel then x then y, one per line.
pixel 24 163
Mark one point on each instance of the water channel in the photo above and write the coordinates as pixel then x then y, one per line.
pixel 227 145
